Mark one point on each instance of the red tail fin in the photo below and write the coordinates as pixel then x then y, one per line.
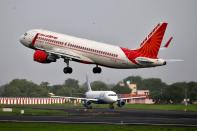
pixel 151 44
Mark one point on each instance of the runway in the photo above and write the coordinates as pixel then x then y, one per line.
pixel 117 116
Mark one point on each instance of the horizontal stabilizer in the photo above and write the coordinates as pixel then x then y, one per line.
pixel 168 42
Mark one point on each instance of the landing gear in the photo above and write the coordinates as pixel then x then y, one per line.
pixel 67 69
pixel 97 69
pixel 111 106
pixel 87 104
pixel 89 107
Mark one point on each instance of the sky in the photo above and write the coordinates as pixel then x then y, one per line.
pixel 123 23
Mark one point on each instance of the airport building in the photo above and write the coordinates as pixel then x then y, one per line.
pixel 137 96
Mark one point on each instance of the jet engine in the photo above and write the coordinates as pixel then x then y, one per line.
pixel 120 103
pixel 43 57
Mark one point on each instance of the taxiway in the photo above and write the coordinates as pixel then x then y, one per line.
pixel 117 116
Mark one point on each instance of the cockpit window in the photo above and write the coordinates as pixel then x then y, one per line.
pixel 111 94
pixel 25 34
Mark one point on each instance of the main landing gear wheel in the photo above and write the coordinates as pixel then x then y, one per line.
pixel 68 70
pixel 97 69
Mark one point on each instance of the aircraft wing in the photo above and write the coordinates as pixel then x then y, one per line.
pixel 68 54
pixel 127 98
pixel 76 98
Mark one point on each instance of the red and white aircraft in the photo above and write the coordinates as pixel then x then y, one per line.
pixel 50 46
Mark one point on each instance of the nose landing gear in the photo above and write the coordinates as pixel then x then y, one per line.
pixel 111 106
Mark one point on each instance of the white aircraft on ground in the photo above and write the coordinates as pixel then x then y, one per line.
pixel 50 46
pixel 99 97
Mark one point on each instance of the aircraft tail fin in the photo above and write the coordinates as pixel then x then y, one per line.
pixel 151 44
pixel 88 84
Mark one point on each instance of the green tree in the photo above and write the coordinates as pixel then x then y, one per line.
pixel 175 93
pixel 121 89
pixel 153 84
pixel 135 80
pixel 157 89
pixel 99 86
pixel 44 84
pixel 11 91
pixel 71 83
pixel 2 88
pixel 64 91
pixel 23 88
pixel 192 91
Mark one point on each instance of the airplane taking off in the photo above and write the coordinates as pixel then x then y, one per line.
pixel 50 46
pixel 99 97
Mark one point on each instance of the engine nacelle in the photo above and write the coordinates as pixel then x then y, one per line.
pixel 42 57
pixel 121 103
pixel 87 104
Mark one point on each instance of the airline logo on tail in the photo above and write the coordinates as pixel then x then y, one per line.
pixel 150 46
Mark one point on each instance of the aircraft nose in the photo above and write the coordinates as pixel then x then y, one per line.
pixel 113 99
pixel 21 39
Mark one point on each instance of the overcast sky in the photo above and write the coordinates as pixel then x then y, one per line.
pixel 119 22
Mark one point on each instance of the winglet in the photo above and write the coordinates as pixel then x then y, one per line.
pixel 88 84
pixel 168 42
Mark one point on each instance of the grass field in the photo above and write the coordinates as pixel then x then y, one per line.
pixel 35 112
pixel 12 126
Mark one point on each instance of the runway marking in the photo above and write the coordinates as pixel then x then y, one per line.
pixel 111 123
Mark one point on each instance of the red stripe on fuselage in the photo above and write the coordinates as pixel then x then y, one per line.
pixel 34 39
